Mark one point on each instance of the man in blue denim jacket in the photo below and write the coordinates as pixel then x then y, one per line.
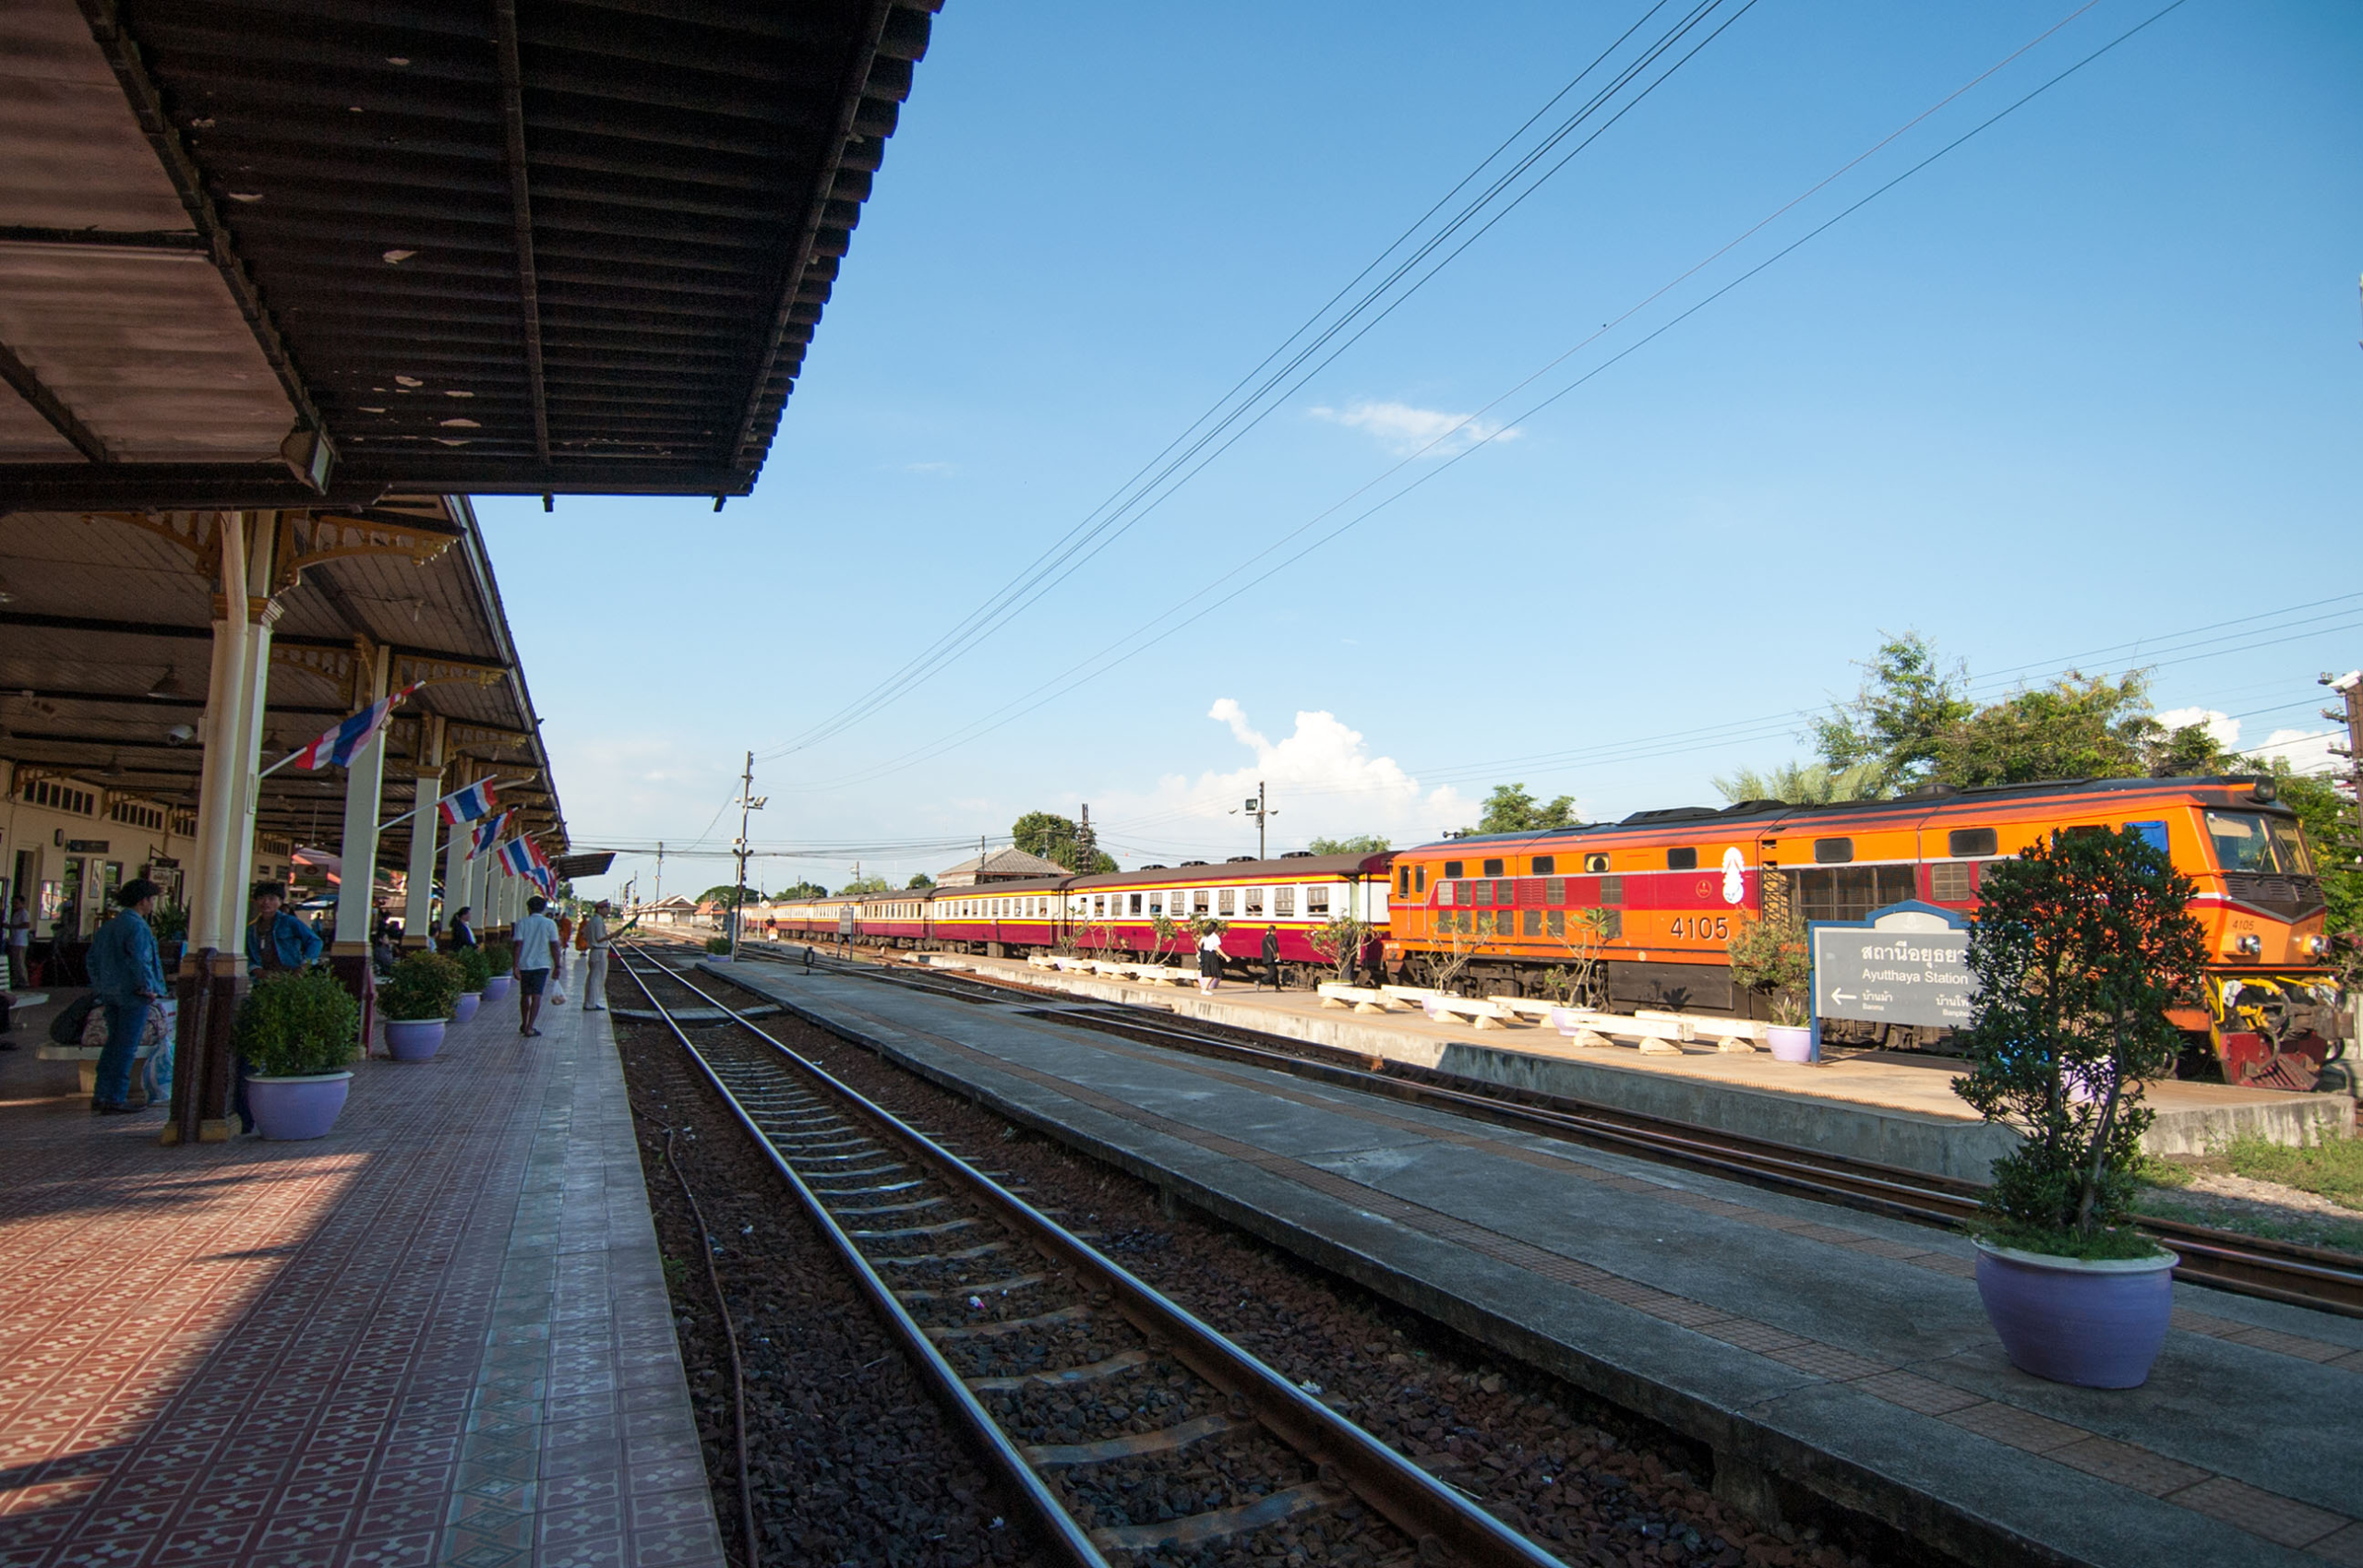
pixel 127 979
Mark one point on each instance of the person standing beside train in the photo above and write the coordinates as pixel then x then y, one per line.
pixel 1210 961
pixel 1272 954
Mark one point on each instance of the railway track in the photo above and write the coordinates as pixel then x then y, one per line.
pixel 2300 1275
pixel 1017 1323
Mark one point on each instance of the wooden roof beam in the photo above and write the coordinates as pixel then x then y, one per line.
pixel 50 407
pixel 529 299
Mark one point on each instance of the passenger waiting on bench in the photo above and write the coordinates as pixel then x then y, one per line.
pixel 275 939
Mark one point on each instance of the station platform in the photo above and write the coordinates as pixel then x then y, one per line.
pixel 1808 1347
pixel 439 1335
pixel 1891 1108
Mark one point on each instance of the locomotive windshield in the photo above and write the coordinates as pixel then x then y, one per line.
pixel 2248 841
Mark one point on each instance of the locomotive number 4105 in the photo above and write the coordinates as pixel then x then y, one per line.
pixel 1702 928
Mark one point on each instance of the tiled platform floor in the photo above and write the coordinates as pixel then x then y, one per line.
pixel 439 1335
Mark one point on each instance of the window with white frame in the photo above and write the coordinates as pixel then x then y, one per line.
pixel 1225 902
pixel 1135 903
pixel 1316 901
pixel 1284 904
pixel 1252 903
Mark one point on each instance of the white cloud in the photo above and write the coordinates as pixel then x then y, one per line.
pixel 2224 728
pixel 1406 430
pixel 930 468
pixel 2308 751
pixel 1322 781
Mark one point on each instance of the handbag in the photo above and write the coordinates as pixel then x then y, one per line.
pixel 65 1029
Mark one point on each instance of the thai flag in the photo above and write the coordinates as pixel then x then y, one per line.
pixel 517 856
pixel 487 833
pixel 339 745
pixel 469 804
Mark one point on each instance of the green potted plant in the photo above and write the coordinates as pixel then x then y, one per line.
pixel 417 1000
pixel 1770 957
pixel 500 963
pixel 169 922
pixel 475 973
pixel 2078 949
pixel 718 947
pixel 296 1030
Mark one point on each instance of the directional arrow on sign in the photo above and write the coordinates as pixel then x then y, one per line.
pixel 1843 998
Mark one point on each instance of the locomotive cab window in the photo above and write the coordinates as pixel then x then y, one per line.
pixel 1419 879
pixel 1832 851
pixel 2249 841
pixel 1545 864
pixel 1451 869
pixel 1964 842
pixel 1595 863
pixel 1493 867
pixel 1684 859
pixel 1402 881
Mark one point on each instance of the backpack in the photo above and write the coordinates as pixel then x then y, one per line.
pixel 65 1029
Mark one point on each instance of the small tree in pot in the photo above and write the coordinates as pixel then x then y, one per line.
pixel 296 1030
pixel 417 1000
pixel 475 973
pixel 500 962
pixel 1772 958
pixel 2077 949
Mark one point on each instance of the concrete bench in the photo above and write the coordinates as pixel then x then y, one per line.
pixel 1525 1006
pixel 1654 1033
pixel 1413 996
pixel 1040 960
pixel 1483 1014
pixel 1361 999
pixel 1746 1029
pixel 86 1059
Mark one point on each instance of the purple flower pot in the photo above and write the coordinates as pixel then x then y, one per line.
pixel 1790 1041
pixel 288 1110
pixel 413 1039
pixel 495 987
pixel 465 1008
pixel 2097 1324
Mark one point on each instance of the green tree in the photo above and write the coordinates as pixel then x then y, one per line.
pixel 727 895
pixel 862 886
pixel 2329 820
pixel 1907 703
pixel 801 891
pixel 2078 949
pixel 1359 844
pixel 1510 809
pixel 1805 783
pixel 1057 838
pixel 919 880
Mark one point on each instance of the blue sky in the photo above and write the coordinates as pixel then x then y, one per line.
pixel 2089 380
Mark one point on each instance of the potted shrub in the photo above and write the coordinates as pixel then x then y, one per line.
pixel 296 1030
pixel 2078 949
pixel 475 973
pixel 719 947
pixel 417 1000
pixel 500 963
pixel 170 924
pixel 1772 958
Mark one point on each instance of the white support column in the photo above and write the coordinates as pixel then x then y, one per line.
pixel 263 613
pixel 418 912
pixel 214 918
pixel 364 784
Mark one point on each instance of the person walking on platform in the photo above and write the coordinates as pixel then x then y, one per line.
pixel 461 934
pixel 596 944
pixel 277 941
pixel 535 939
pixel 1210 961
pixel 565 940
pixel 1272 954
pixel 128 980
pixel 21 937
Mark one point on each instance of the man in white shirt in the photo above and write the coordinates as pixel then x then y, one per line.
pixel 535 940
pixel 595 943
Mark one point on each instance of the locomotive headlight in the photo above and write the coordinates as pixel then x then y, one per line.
pixel 2318 947
pixel 2249 946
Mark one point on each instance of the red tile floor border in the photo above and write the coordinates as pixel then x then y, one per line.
pixel 337 1353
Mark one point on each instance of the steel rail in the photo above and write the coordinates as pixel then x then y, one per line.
pixel 1435 1517
pixel 2296 1275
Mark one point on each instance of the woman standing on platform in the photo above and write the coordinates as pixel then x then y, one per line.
pixel 1209 962
pixel 461 933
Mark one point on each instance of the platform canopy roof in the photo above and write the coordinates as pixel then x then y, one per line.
pixel 422 248
pixel 106 648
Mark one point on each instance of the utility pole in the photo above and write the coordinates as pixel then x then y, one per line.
pixel 2350 686
pixel 658 896
pixel 1257 809
pixel 1088 846
pixel 748 801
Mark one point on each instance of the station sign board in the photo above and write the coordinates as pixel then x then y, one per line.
pixel 1907 964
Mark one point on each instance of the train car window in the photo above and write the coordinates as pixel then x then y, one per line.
pixel 1452 868
pixel 1533 922
pixel 1284 903
pixel 1419 880
pixel 1557 921
pixel 2152 833
pixel 1316 901
pixel 2085 830
pixel 1225 903
pixel 1612 889
pixel 1402 881
pixel 1966 841
pixel 1595 863
pixel 1493 867
pixel 1544 864
pixel 1554 890
pixel 1832 851
pixel 1198 901
pixel 1949 882
pixel 1484 891
pixel 1254 904
pixel 1134 899
pixel 1156 903
pixel 1684 859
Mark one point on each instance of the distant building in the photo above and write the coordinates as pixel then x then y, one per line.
pixel 1000 866
pixel 674 911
